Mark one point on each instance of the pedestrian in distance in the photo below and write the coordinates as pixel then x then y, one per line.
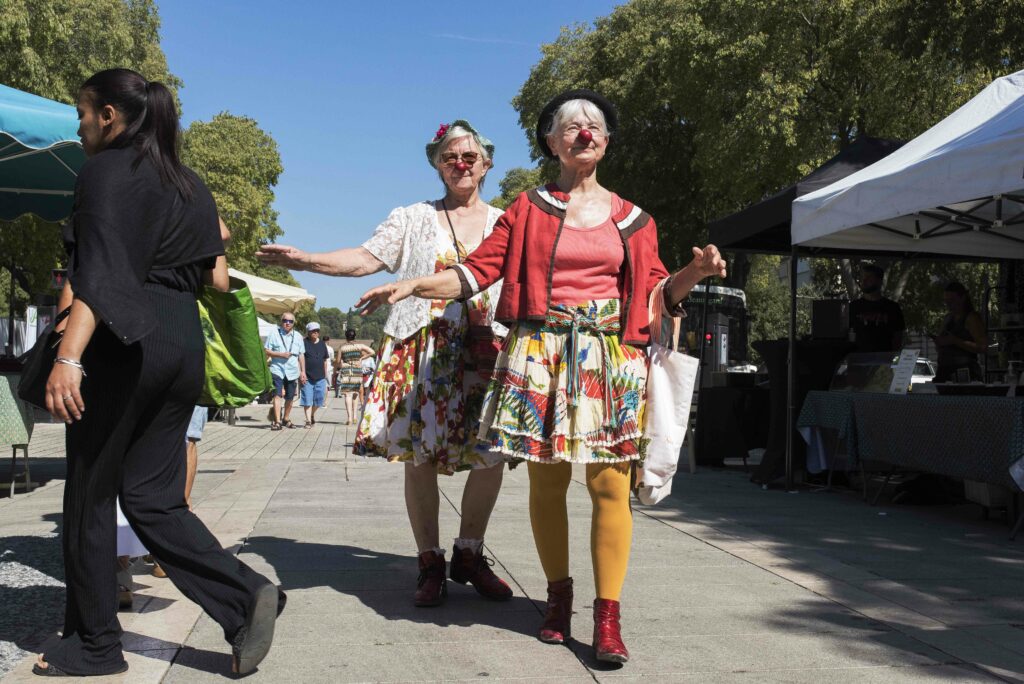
pixel 579 265
pixel 434 361
pixel 142 240
pixel 317 356
pixel 287 352
pixel 350 375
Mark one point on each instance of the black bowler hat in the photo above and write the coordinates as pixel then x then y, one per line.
pixel 611 117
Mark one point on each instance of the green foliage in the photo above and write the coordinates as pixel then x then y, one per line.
pixel 723 103
pixel 240 163
pixel 49 48
pixel 518 180
pixel 369 327
pixel 332 321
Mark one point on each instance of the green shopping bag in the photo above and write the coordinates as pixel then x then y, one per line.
pixel 236 364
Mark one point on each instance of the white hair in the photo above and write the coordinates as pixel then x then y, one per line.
pixel 457 133
pixel 570 109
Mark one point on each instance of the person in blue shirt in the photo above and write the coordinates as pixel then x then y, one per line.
pixel 286 350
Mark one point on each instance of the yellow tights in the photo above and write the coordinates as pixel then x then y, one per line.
pixel 611 525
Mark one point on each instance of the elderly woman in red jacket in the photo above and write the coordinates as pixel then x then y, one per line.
pixel 579 264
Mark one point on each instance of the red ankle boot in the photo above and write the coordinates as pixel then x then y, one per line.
pixel 432 584
pixel 557 620
pixel 475 568
pixel 607 637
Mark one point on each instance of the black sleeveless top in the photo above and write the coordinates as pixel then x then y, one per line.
pixel 130 228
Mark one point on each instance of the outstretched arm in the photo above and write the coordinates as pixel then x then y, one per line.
pixel 442 285
pixel 352 261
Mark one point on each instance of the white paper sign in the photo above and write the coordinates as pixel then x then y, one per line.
pixel 903 371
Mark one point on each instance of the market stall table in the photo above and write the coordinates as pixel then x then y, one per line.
pixel 972 438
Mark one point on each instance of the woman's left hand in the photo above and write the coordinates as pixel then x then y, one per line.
pixel 63 393
pixel 391 293
pixel 708 261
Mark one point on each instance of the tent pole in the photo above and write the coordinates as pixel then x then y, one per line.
pixel 791 370
pixel 9 347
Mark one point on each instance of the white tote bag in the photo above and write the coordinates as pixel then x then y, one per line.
pixel 671 376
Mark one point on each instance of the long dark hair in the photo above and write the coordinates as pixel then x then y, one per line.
pixel 151 121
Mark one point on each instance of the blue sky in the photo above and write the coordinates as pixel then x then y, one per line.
pixel 352 91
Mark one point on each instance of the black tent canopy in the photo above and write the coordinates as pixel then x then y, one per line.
pixel 764 227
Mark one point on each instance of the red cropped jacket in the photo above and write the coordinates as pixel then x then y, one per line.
pixel 521 250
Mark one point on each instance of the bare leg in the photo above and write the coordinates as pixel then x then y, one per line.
pixel 288 410
pixel 422 502
pixel 312 413
pixel 478 499
pixel 350 414
pixel 191 465
pixel 277 408
pixel 306 410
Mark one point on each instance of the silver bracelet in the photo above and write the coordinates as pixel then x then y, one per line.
pixel 71 362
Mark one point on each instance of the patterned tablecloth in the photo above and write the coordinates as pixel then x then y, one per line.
pixel 968 438
pixel 15 416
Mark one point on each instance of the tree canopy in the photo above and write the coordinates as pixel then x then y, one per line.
pixel 240 164
pixel 49 48
pixel 723 103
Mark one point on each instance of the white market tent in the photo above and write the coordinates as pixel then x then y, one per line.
pixel 957 189
pixel 265 327
pixel 271 297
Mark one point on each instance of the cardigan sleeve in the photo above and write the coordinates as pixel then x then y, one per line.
pixel 486 264
pixel 388 239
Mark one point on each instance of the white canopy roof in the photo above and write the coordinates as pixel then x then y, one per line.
pixel 956 189
pixel 266 327
pixel 272 297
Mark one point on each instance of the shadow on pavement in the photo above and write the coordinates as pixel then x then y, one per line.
pixel 385 582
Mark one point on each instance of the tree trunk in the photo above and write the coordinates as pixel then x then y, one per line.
pixel 849 279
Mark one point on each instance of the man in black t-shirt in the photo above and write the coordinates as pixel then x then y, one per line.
pixel 314 392
pixel 877 322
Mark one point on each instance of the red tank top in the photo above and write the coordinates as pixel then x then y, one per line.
pixel 588 264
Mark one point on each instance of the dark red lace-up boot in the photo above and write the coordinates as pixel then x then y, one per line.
pixel 607 634
pixel 475 569
pixel 432 584
pixel 558 618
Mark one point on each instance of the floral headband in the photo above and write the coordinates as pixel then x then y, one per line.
pixel 442 133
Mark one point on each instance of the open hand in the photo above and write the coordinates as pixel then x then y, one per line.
pixel 282 255
pixel 709 261
pixel 385 294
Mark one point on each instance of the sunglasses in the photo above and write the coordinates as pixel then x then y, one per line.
pixel 287 321
pixel 451 158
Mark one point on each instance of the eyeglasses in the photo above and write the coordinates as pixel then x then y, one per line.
pixel 573 130
pixel 451 158
pixel 287 321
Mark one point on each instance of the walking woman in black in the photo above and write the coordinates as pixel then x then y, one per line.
pixel 143 237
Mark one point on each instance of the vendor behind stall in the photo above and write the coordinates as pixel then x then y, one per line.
pixel 962 336
pixel 877 321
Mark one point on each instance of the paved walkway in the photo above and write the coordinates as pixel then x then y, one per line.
pixel 727 582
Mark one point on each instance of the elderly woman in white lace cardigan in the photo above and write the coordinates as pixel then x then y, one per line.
pixel 423 406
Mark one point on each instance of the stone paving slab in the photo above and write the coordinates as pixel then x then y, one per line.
pixel 727 583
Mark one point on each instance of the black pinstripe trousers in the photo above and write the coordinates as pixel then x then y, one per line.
pixel 131 441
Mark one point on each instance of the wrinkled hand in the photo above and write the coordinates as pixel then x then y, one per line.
pixel 709 261
pixel 282 255
pixel 385 294
pixel 302 379
pixel 63 395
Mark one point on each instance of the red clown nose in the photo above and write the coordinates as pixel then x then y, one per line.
pixel 585 135
pixel 462 166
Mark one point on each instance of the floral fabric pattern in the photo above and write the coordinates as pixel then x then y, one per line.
pixel 424 400
pixel 568 389
pixel 399 243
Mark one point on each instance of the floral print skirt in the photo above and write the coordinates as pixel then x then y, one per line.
pixel 568 389
pixel 423 404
